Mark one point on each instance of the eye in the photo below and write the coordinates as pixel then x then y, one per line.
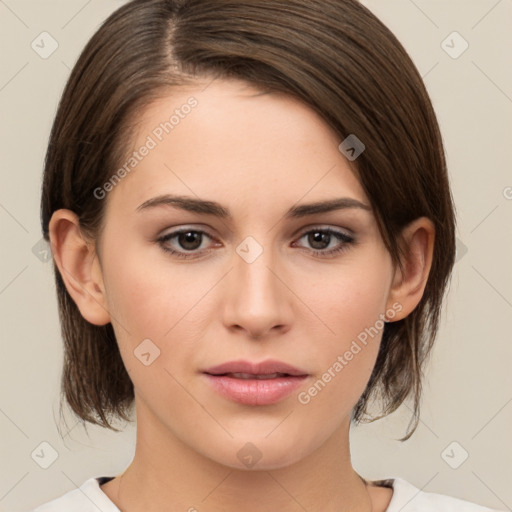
pixel 189 241
pixel 320 239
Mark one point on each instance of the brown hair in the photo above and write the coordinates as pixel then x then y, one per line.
pixel 335 56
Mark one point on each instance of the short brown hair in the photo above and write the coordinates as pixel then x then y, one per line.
pixel 333 55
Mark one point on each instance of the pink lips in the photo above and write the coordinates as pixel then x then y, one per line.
pixel 249 383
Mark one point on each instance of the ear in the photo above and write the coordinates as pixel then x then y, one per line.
pixel 408 285
pixel 79 266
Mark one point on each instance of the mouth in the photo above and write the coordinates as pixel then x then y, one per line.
pixel 270 368
pixel 254 384
pixel 251 376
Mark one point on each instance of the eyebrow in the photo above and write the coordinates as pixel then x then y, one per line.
pixel 192 204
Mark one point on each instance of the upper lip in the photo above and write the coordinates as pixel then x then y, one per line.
pixel 262 368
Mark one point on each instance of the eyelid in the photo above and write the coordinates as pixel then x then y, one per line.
pixel 325 227
pixel 183 228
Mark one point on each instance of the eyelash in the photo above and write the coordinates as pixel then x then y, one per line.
pixel 346 239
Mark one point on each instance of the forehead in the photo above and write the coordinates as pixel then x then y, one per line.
pixel 229 141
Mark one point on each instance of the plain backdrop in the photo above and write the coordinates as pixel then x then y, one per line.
pixel 463 444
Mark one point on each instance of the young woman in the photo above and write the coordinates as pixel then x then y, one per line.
pixel 252 231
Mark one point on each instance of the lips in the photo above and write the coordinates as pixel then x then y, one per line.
pixel 262 369
pixel 249 383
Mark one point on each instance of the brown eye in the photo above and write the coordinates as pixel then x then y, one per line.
pixel 187 243
pixel 190 240
pixel 320 240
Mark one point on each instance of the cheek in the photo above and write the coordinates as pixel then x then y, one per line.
pixel 350 301
pixel 350 298
pixel 147 297
pixel 153 299
pixel 152 302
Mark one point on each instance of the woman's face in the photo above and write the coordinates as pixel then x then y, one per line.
pixel 257 284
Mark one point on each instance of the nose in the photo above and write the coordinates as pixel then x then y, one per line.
pixel 257 298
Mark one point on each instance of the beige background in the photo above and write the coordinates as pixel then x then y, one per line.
pixel 468 395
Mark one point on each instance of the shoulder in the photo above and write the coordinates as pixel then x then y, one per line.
pixel 408 498
pixel 87 498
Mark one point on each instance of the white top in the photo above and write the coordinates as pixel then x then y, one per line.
pixel 406 498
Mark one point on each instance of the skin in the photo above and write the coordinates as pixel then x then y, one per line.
pixel 258 155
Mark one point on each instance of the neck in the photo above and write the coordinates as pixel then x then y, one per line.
pixel 166 474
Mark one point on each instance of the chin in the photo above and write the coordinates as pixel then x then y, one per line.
pixel 261 454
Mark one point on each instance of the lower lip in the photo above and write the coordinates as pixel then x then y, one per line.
pixel 255 391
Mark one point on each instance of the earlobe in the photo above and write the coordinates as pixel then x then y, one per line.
pixel 79 266
pixel 409 284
